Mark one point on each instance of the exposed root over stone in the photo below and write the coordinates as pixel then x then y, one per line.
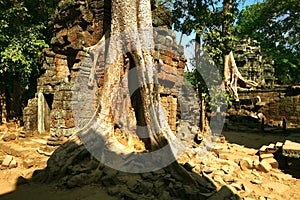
pixel 73 166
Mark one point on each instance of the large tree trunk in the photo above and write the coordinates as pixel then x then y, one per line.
pixel 135 24
pixel 131 21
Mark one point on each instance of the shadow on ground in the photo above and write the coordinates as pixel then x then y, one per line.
pixel 248 133
pixel 72 173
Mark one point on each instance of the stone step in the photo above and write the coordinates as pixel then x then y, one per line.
pixel 291 149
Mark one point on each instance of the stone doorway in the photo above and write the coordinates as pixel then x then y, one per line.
pixel 44 108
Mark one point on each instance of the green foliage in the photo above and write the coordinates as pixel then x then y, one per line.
pixel 23 35
pixel 212 21
pixel 212 99
pixel 276 26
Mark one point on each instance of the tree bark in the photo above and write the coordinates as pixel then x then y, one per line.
pixel 132 20
pixel 232 76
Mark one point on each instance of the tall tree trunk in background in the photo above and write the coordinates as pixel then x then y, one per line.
pixel 226 31
pixel 230 72
pixel 3 111
pixel 232 76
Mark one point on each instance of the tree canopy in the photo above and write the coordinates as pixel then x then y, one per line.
pixel 276 26
pixel 23 35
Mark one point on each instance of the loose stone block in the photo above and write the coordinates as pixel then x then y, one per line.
pixel 268 155
pixel 273 162
pixel 13 164
pixel 264 166
pixel 28 162
pixel 246 163
pixel 7 160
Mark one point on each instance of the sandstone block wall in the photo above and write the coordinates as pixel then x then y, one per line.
pixel 79 24
pixel 276 104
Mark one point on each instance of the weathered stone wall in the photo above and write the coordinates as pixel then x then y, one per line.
pixel 75 25
pixel 253 64
pixel 30 115
pixel 276 104
pixel 82 24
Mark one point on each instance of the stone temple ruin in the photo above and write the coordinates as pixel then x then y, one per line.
pixel 274 103
pixel 252 64
pixel 83 24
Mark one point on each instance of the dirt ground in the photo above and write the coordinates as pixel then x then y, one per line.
pixel 13 184
pixel 275 184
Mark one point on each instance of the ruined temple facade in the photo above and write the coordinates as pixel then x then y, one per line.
pixel 253 64
pixel 82 24
pixel 274 103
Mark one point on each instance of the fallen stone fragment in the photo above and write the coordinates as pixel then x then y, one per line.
pixel 7 160
pixel 255 181
pixel 271 146
pixel 268 155
pixel 46 150
pixel 13 164
pixel 246 163
pixel 273 162
pixel 264 166
pixel 236 186
pixel 263 148
pixel 278 145
pixel 28 162
pixel 291 149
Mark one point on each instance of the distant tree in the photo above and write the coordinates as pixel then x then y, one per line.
pixel 212 22
pixel 23 35
pixel 276 26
